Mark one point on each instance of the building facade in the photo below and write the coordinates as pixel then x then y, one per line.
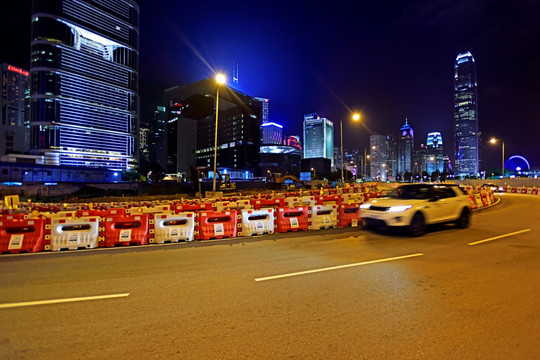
pixel 84 82
pixel 405 149
pixel 272 133
pixel 378 155
pixel 318 138
pixel 434 159
pixel 190 129
pixel 14 113
pixel 465 116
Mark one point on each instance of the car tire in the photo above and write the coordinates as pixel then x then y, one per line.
pixel 464 219
pixel 417 227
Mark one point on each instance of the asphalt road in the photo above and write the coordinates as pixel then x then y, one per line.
pixel 344 294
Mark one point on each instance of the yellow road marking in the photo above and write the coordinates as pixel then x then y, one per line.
pixel 498 237
pixel 336 267
pixel 59 301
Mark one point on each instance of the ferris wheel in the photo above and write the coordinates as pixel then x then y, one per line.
pixel 517 163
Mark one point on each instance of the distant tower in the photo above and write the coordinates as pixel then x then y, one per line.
pixel 14 95
pixel 434 153
pixel 378 153
pixel 235 74
pixel 465 115
pixel 405 149
pixel 318 137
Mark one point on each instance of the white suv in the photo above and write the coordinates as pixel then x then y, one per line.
pixel 414 206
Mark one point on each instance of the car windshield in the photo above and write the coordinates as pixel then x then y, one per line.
pixel 411 192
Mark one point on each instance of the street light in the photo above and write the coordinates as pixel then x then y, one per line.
pixel 494 141
pixel 355 117
pixel 220 79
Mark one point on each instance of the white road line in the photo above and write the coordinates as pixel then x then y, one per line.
pixel 59 301
pixel 498 237
pixel 337 267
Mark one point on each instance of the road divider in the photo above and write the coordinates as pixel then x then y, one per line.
pixel 498 237
pixel 60 301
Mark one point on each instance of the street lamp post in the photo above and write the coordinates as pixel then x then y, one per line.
pixel 220 79
pixel 355 117
pixel 494 141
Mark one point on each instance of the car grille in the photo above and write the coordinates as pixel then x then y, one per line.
pixel 378 208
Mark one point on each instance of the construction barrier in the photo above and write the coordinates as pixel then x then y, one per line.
pixel 173 227
pixel 74 233
pixel 150 210
pixel 266 203
pixel 293 219
pixel 126 230
pixel 329 199
pixel 323 217
pixel 349 215
pixel 256 222
pixel 20 235
pixel 217 225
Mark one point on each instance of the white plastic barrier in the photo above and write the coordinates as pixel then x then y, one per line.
pixel 150 210
pixel 323 216
pixel 59 214
pixel 221 206
pixel 68 233
pixel 353 198
pixel 293 202
pixel 242 204
pixel 174 227
pixel 307 200
pixel 257 222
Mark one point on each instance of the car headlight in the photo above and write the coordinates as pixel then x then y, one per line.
pixel 399 208
pixel 365 206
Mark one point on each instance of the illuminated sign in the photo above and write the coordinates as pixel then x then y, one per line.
pixel 18 70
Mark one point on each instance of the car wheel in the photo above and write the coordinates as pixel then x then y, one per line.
pixel 417 226
pixel 464 219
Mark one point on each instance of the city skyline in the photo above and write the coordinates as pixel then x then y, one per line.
pixel 390 62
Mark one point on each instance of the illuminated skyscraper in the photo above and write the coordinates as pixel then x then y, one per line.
pixel 272 133
pixel 14 86
pixel 465 115
pixel 318 138
pixel 434 160
pixel 378 155
pixel 84 82
pixel 405 149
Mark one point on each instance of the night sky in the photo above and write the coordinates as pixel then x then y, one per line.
pixel 388 59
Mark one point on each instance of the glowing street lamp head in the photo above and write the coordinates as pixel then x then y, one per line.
pixel 220 78
pixel 356 116
pixel 493 140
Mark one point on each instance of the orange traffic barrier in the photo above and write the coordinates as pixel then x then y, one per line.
pixel 126 230
pixel 292 219
pixel 24 235
pixel 217 225
pixel 349 215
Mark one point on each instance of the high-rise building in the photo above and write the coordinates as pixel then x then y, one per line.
pixel 318 138
pixel 272 133
pixel 405 149
pixel 378 155
pixel 191 124
pixel 293 140
pixel 434 160
pixel 156 138
pixel 391 156
pixel 84 82
pixel 14 109
pixel 465 116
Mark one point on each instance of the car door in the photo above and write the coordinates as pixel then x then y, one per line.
pixel 448 204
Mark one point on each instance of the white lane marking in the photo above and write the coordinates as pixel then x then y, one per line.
pixel 59 301
pixel 498 237
pixel 337 267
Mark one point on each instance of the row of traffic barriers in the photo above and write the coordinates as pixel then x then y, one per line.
pixel 54 227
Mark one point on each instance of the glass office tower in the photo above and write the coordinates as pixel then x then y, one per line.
pixel 318 138
pixel 84 82
pixel 465 116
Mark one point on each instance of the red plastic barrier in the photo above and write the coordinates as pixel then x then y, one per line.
pixel 126 230
pixel 292 219
pixel 514 190
pixel 191 207
pixel 217 225
pixel 21 235
pixel 349 215
pixel 19 216
pixel 524 190
pixel 328 199
pixel 266 203
pixel 483 196
pixel 534 191
pixel 472 200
